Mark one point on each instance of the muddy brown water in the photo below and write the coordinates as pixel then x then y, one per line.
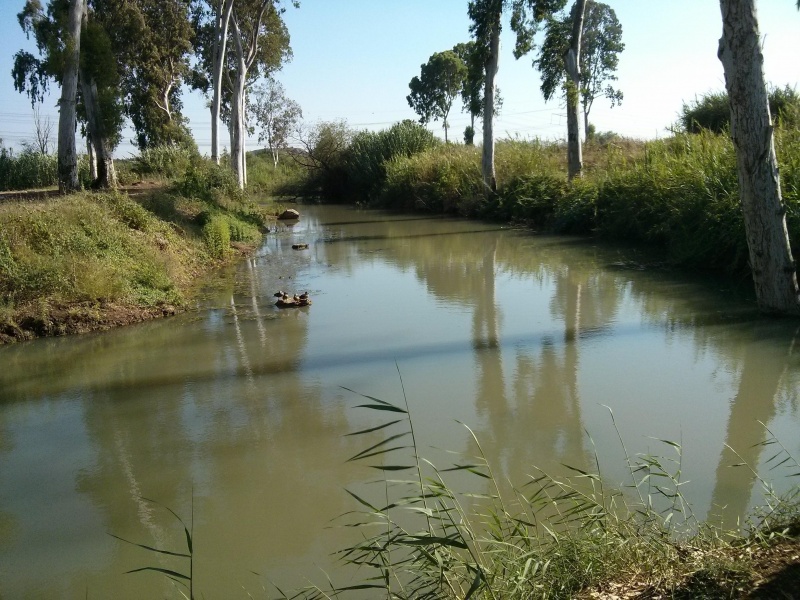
pixel 236 412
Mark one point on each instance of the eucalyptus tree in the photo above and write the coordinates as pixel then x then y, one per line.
pixel 440 81
pixel 211 20
pixel 764 211
pixel 275 114
pixel 152 43
pixel 600 47
pixel 528 18
pixel 255 45
pixel 472 88
pixel 486 26
pixel 72 48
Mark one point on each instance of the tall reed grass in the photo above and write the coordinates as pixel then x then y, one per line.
pixel 33 170
pixel 680 193
pixel 552 537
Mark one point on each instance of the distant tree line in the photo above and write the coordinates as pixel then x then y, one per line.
pixel 128 59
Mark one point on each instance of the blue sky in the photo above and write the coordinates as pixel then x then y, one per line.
pixel 353 60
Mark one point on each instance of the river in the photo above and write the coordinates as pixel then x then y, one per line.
pixel 235 415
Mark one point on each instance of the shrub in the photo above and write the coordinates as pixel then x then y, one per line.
pixel 164 161
pixel 712 112
pixel 209 182
pixel 27 170
pixel 369 152
pixel 217 236
pixel 444 179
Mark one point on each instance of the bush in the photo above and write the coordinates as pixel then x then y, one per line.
pixel 164 161
pixel 369 152
pixel 712 112
pixel 217 236
pixel 531 199
pixel 446 179
pixel 27 170
pixel 263 177
pixel 209 182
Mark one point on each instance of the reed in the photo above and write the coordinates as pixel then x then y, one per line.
pixel 552 537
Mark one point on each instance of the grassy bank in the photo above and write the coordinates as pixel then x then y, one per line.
pixel 95 260
pixel 679 194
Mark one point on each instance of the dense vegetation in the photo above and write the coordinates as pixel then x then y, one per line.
pixel 679 193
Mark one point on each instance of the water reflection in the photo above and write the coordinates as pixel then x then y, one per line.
pixel 234 411
pixel 763 369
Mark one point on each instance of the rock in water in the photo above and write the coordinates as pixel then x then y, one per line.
pixel 289 214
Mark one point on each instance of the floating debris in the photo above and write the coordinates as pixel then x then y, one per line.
pixel 294 301
pixel 299 246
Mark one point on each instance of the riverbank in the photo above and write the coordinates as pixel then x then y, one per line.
pixel 679 195
pixel 96 260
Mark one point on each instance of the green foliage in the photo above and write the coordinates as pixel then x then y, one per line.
pixel 531 199
pixel 712 112
pixel 33 170
pixel 557 536
pixel 32 75
pixel 168 160
pixel 264 178
pixel 209 182
pixel 322 154
pixel 369 152
pixel 217 236
pixel 27 170
pixel 446 179
pixel 472 87
pixel 82 248
pixel 683 196
pixel 432 93
pixel 601 44
pixel 149 44
pixel 275 114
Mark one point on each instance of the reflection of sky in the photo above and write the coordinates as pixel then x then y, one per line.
pixel 243 401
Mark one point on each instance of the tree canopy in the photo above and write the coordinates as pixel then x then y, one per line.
pixel 601 45
pixel 275 114
pixel 441 80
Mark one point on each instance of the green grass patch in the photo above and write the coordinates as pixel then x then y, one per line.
pixel 110 248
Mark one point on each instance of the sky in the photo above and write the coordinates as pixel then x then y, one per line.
pixel 353 60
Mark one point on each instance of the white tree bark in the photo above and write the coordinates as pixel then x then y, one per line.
pixel 223 9
pixel 91 157
pixel 759 184
pixel 492 66
pixel 67 118
pixel 238 131
pixel 572 63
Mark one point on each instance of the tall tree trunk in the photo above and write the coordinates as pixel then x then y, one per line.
pixel 491 66
pixel 67 118
pixel 759 184
pixel 238 131
pixel 106 176
pixel 573 65
pixel 223 17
